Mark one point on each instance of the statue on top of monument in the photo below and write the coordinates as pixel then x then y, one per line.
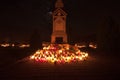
pixel 59 4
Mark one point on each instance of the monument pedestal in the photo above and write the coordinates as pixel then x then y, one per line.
pixel 59 37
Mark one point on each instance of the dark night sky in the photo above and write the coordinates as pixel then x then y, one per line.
pixel 19 18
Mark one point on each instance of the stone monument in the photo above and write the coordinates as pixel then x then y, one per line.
pixel 59 24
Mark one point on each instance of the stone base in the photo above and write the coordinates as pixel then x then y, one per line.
pixel 59 38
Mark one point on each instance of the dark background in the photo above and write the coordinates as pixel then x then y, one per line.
pixel 20 18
